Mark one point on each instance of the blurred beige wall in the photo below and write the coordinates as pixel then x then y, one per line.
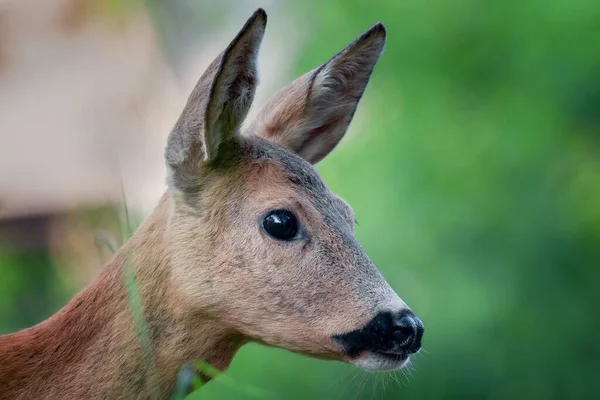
pixel 87 99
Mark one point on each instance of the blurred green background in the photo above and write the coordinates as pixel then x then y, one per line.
pixel 473 166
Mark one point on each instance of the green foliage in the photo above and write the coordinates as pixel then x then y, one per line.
pixel 27 298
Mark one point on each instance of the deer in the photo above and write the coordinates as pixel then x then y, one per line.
pixel 247 244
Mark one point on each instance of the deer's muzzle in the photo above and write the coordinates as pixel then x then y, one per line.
pixel 392 336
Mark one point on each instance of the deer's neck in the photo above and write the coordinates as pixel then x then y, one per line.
pixel 101 345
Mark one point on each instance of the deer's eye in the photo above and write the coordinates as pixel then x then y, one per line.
pixel 281 225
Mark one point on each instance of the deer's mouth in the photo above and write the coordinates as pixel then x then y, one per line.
pixel 380 361
pixel 392 356
pixel 377 361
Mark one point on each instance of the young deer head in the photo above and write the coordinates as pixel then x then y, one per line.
pixel 257 239
pixel 248 244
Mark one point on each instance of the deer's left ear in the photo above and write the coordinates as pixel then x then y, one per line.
pixel 312 114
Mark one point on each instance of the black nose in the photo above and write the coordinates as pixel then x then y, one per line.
pixel 387 333
pixel 408 332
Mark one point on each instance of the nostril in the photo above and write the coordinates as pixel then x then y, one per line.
pixel 408 331
pixel 405 325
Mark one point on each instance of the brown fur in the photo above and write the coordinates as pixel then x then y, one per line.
pixel 210 278
pixel 91 349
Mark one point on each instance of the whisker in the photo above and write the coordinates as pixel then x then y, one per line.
pixel 406 375
pixel 373 386
pixel 412 368
pixel 341 376
pixel 350 382
pixel 363 383
pixel 393 375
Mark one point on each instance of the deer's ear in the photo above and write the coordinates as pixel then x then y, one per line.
pixel 218 104
pixel 312 114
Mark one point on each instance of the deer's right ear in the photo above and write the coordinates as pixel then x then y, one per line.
pixel 217 106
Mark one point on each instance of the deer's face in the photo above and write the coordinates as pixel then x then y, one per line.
pixel 259 241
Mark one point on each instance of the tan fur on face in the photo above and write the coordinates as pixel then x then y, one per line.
pixel 296 294
pixel 210 278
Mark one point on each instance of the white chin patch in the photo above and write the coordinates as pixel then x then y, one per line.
pixel 377 362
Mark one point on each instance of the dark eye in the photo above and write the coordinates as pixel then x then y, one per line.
pixel 281 225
